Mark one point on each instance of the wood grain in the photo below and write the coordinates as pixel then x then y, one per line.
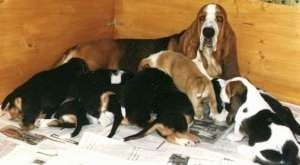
pixel 34 34
pixel 268 36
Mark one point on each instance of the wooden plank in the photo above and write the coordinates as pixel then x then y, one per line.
pixel 34 34
pixel 268 36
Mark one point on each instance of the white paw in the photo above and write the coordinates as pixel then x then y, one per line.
pixel 43 123
pixel 184 142
pixel 221 117
pixel 235 137
pixel 106 119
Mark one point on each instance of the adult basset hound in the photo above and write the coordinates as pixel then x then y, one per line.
pixel 210 36
pixel 211 42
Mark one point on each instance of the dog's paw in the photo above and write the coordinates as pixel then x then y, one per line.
pixel 106 119
pixel 199 116
pixel 43 123
pixel 221 117
pixel 185 142
pixel 235 137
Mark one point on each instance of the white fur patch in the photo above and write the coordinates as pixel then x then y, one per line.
pixel 116 78
pixel 92 119
pixel 221 117
pixel 235 137
pixel 210 21
pixel 198 61
pixel 123 111
pixel 43 123
pixel 154 57
pixel 184 142
pixel 106 119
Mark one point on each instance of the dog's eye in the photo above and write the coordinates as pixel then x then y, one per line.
pixel 202 18
pixel 219 19
pixel 245 110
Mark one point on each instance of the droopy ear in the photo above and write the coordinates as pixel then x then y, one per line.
pixel 234 88
pixel 228 52
pixel 18 103
pixel 189 40
pixel 145 63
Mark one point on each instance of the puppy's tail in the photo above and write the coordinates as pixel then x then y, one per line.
pixel 289 155
pixel 151 127
pixel 111 102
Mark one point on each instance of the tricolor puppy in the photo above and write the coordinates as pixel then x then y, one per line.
pixel 245 100
pixel 269 126
pixel 153 91
pixel 43 93
pixel 187 78
pixel 89 87
pixel 70 114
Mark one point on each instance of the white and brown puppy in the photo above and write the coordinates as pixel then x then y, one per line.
pixel 245 100
pixel 187 78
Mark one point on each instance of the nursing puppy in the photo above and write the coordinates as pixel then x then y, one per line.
pixel 239 93
pixel 153 91
pixel 70 114
pixel 187 78
pixel 89 87
pixel 270 140
pixel 43 93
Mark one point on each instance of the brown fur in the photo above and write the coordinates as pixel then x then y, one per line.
pixel 234 90
pixel 112 54
pixel 225 55
pixel 187 78
pixel 103 53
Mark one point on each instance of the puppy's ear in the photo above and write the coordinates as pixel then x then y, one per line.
pixel 145 63
pixel 235 88
pixel 18 103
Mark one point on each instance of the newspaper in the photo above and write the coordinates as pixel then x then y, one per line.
pixel 54 146
pixel 208 130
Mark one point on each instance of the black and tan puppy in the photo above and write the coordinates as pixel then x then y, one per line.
pixel 70 114
pixel 187 78
pixel 43 93
pixel 82 106
pixel 89 87
pixel 153 91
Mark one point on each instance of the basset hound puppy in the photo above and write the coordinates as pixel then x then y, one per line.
pixel 209 41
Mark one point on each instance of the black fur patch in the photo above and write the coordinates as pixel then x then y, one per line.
pixel 153 91
pixel 46 90
pixel 217 89
pixel 257 126
pixel 89 87
pixel 283 112
pixel 134 50
pixel 72 107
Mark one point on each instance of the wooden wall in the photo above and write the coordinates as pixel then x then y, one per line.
pixel 33 34
pixel 268 36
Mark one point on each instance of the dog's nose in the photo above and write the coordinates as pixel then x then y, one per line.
pixel 208 32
